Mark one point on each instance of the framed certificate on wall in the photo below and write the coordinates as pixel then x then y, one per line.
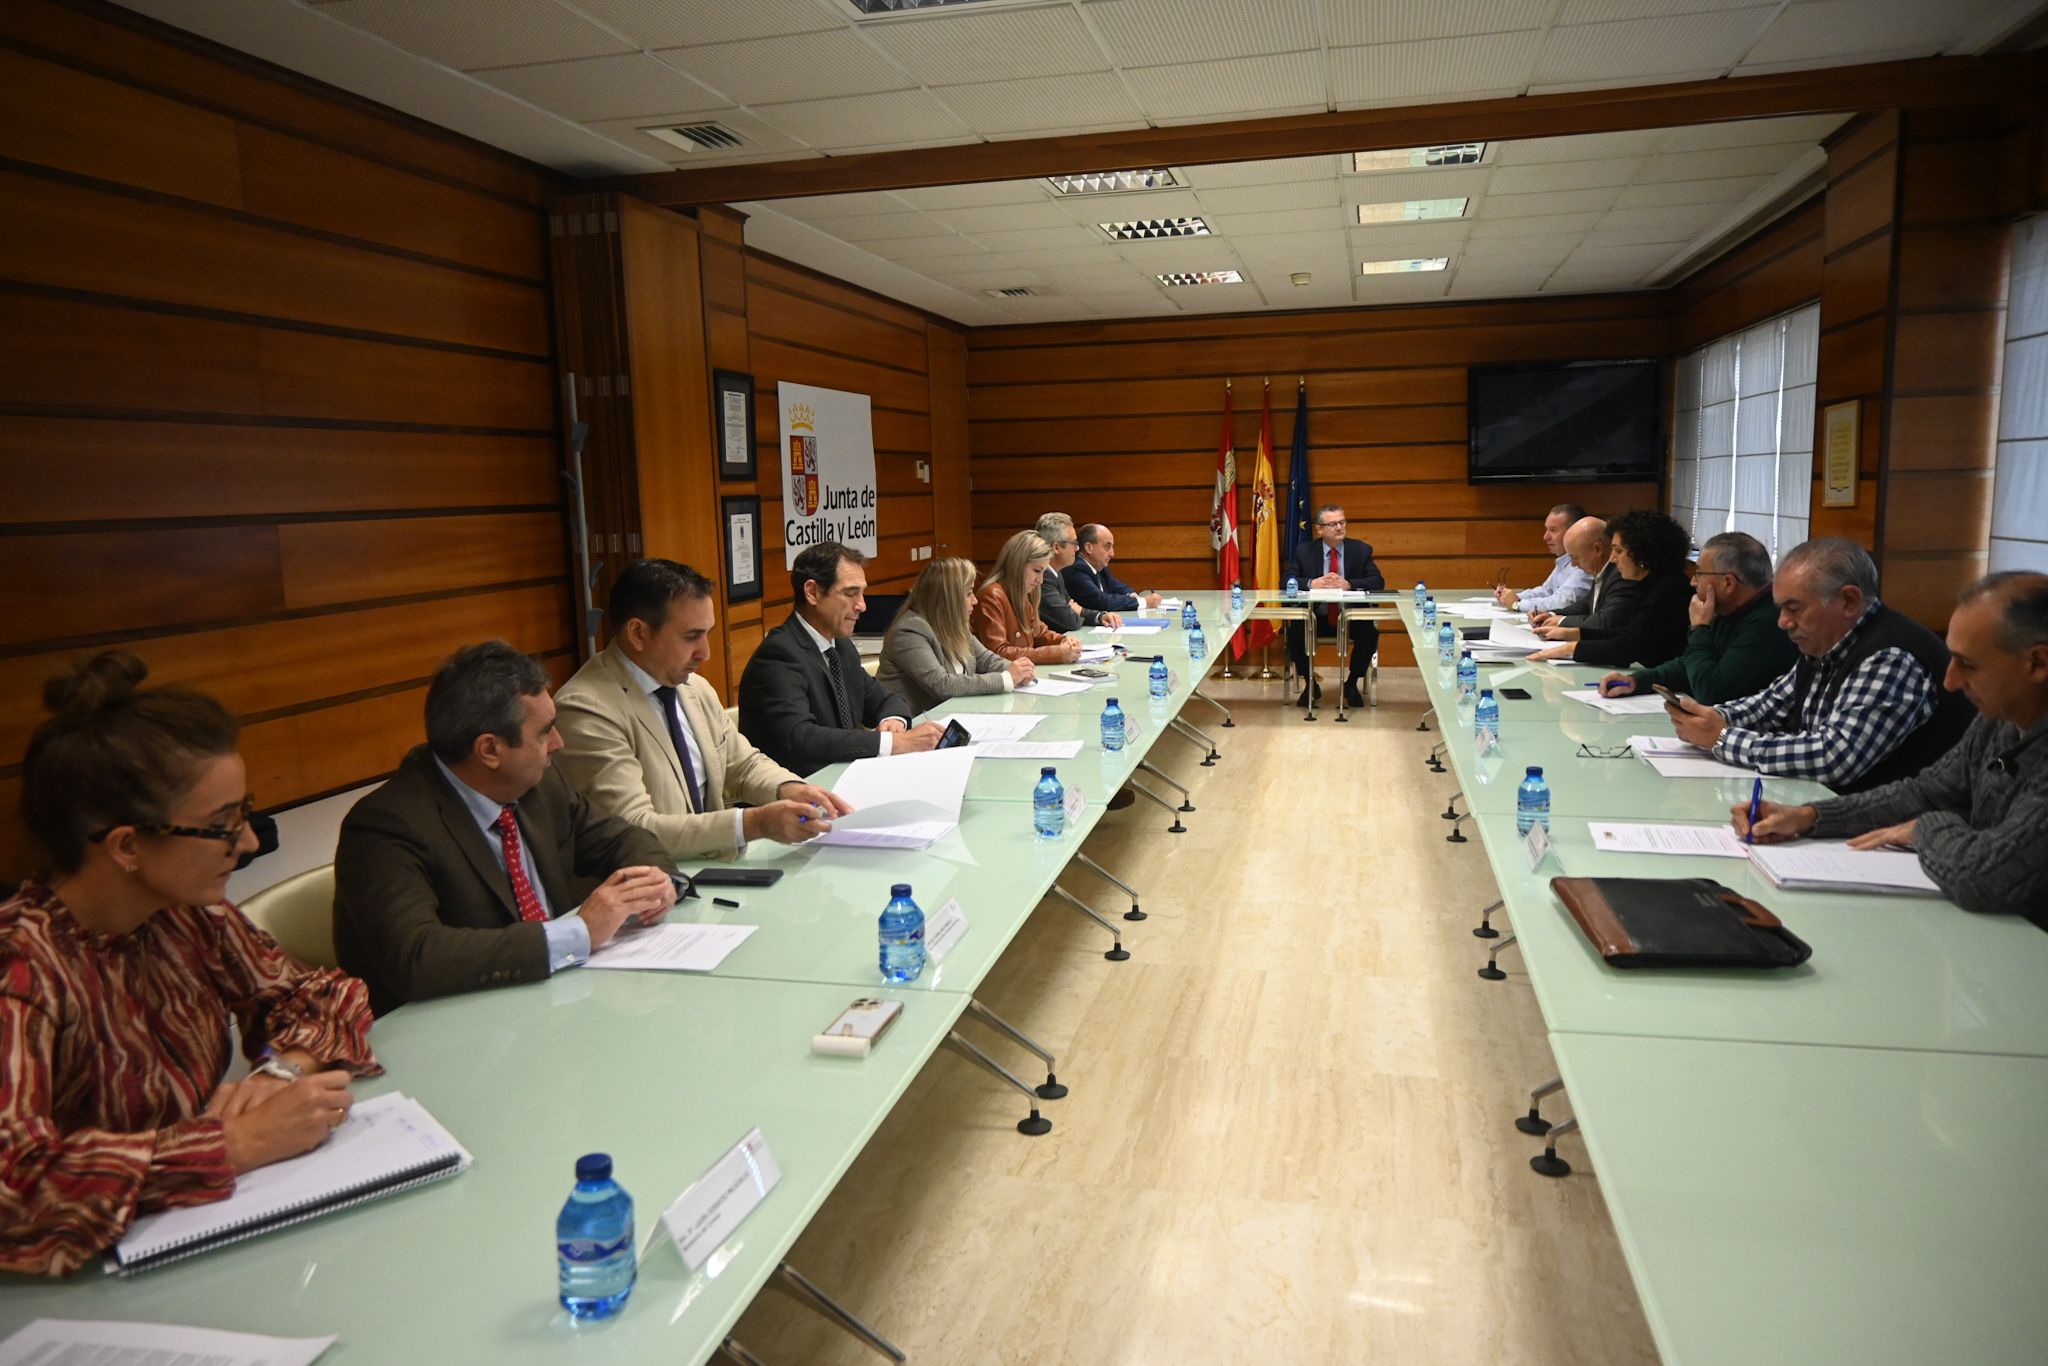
pixel 742 517
pixel 1839 432
pixel 732 415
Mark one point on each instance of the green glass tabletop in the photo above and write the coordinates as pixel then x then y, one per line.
pixel 1782 1206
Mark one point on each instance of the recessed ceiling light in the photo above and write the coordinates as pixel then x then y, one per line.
pixel 1114 182
pixel 1150 229
pixel 877 7
pixel 1202 277
pixel 1412 210
pixel 1403 267
pixel 1412 158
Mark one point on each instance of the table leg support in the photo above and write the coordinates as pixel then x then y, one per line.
pixel 1201 696
pixel 1533 1123
pixel 1050 1088
pixel 1491 972
pixel 1160 774
pixel 1201 738
pixel 1436 757
pixel 1549 1163
pixel 732 1352
pixel 1117 952
pixel 793 1283
pixel 1485 929
pixel 1176 828
pixel 1032 1126
pixel 1457 836
pixel 1132 914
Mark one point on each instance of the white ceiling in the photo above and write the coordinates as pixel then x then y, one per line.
pixel 573 83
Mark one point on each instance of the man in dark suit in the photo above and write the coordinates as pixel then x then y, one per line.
pixel 805 700
pixel 1332 561
pixel 478 864
pixel 1089 582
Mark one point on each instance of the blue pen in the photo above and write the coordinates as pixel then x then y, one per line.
pixel 1756 808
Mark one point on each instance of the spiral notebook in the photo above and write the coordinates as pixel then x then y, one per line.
pixel 389 1143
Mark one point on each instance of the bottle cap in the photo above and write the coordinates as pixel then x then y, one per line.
pixel 901 889
pixel 1047 772
pixel 1486 694
pixel 594 1167
pixel 1535 770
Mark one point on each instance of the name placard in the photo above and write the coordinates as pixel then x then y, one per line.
pixel 1074 802
pixel 944 928
pixel 717 1202
pixel 1536 846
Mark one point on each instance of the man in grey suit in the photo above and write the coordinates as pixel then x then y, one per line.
pixel 478 864
pixel 805 700
pixel 1055 608
pixel 645 738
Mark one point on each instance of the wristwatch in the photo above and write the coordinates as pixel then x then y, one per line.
pixel 274 1066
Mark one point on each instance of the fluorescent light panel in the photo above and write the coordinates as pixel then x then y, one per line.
pixel 1114 182
pixel 1202 277
pixel 1405 266
pixel 1414 158
pixel 1413 210
pixel 1150 229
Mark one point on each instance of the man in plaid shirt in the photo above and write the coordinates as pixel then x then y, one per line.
pixel 1856 709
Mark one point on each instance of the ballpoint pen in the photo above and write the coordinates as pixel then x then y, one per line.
pixel 1756 808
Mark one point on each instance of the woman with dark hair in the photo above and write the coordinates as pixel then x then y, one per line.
pixel 1642 619
pixel 120 965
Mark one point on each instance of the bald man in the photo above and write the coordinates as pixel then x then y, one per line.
pixel 1976 815
pixel 1611 598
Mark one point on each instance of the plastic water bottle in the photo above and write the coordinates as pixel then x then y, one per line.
pixel 1468 676
pixel 1049 806
pixel 1428 612
pixel 1198 644
pixel 1112 726
pixel 1236 599
pixel 1155 678
pixel 1447 645
pixel 594 1245
pixel 1187 614
pixel 1421 592
pixel 1486 721
pixel 902 936
pixel 1293 589
pixel 1532 802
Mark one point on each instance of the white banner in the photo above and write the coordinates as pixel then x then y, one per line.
pixel 828 469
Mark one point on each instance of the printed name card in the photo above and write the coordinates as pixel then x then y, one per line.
pixel 1537 846
pixel 1074 802
pixel 944 928
pixel 706 1214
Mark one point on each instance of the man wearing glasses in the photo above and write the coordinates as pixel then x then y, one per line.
pixel 1333 562
pixel 1736 646
pixel 1055 608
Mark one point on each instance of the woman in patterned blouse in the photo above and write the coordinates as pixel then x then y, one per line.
pixel 120 967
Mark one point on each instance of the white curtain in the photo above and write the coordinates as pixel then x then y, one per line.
pixel 2019 503
pixel 1743 439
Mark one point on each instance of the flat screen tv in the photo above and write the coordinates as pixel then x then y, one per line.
pixel 1574 420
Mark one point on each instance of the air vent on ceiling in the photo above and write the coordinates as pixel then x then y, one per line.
pixel 698 137
pixel 1017 292
pixel 1114 182
pixel 1202 277
pixel 875 9
pixel 1152 229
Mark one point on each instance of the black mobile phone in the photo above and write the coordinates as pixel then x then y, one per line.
pixel 737 877
pixel 1515 694
pixel 953 735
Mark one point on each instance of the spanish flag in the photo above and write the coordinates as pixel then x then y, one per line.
pixel 1265 531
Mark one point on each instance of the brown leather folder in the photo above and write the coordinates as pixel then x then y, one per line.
pixel 1692 922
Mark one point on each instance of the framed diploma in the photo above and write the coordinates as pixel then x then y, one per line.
pixel 732 414
pixel 1840 430
pixel 742 516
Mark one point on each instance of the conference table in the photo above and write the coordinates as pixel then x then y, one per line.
pixel 1835 1162
pixel 666 1072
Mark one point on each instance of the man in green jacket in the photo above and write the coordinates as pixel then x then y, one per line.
pixel 1736 646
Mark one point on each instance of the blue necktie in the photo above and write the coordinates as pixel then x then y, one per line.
pixel 665 698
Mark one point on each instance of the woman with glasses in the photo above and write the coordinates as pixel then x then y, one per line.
pixel 120 965
pixel 1648 622
pixel 930 654
pixel 1006 609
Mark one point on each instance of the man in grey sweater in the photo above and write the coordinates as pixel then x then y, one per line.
pixel 1978 816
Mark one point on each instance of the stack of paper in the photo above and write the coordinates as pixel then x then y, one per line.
pixel 902 801
pixel 1028 749
pixel 672 946
pixel 1830 866
pixel 1047 686
pixel 1674 758
pixel 1129 628
pixel 1097 654
pixel 1623 837
pixel 1645 704
pixel 995 725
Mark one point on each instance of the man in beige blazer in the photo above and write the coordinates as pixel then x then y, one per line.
pixel 645 739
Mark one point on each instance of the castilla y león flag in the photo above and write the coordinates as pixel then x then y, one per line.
pixel 1223 513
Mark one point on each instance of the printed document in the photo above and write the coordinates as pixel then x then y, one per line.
pixel 994 725
pixel 51 1342
pixel 1028 749
pixel 1648 704
pixel 672 946
pixel 1832 866
pixel 901 801
pixel 1623 837
pixel 1043 686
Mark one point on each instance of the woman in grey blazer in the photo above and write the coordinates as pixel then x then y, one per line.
pixel 929 654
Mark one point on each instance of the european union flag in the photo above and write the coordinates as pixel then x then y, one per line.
pixel 1295 528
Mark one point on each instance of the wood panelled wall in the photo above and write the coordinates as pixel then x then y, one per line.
pixel 1118 423
pixel 1859 245
pixel 275 398
pixel 777 322
pixel 1776 271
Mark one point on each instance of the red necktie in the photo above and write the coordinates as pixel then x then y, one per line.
pixel 523 894
pixel 1336 567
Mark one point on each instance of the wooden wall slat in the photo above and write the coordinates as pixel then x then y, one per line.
pixel 324 563
pixel 62 584
pixel 775 361
pixel 1197 432
pixel 1334 389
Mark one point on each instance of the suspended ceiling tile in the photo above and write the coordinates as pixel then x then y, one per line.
pixel 1808 129
pixel 1667 236
pixel 1525 249
pixel 1686 216
pixel 863 120
pixel 1300 194
pixel 1275 247
pixel 1092 209
pixel 814 66
pixel 1384 241
pixel 1277 112
pixel 1585 147
pixel 758 140
pixel 1053 259
pixel 1450 182
pixel 1242 85
pixel 811 208
pixel 914 249
pixel 1649 47
pixel 1402 101
pixel 664 23
pixel 1041 103
pixel 1566 175
pixel 1183 253
pixel 518 31
pixel 969 272
pixel 1536 225
pixel 1001 217
pixel 1496 206
pixel 1151 304
pixel 1390 70
pixel 1238 226
pixel 1262 172
pixel 1053 309
pixel 1722 164
pixel 1814 29
pixel 1728 190
pixel 1640 256
pixel 975 196
pixel 1618 82
pixel 1150 32
pixel 592 88
pixel 959 47
pixel 1039 239
pixel 879 227
pixel 1837 59
pixel 1117 275
pixel 1599 11
pixel 1239 298
pixel 1390 289
pixel 1355 22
